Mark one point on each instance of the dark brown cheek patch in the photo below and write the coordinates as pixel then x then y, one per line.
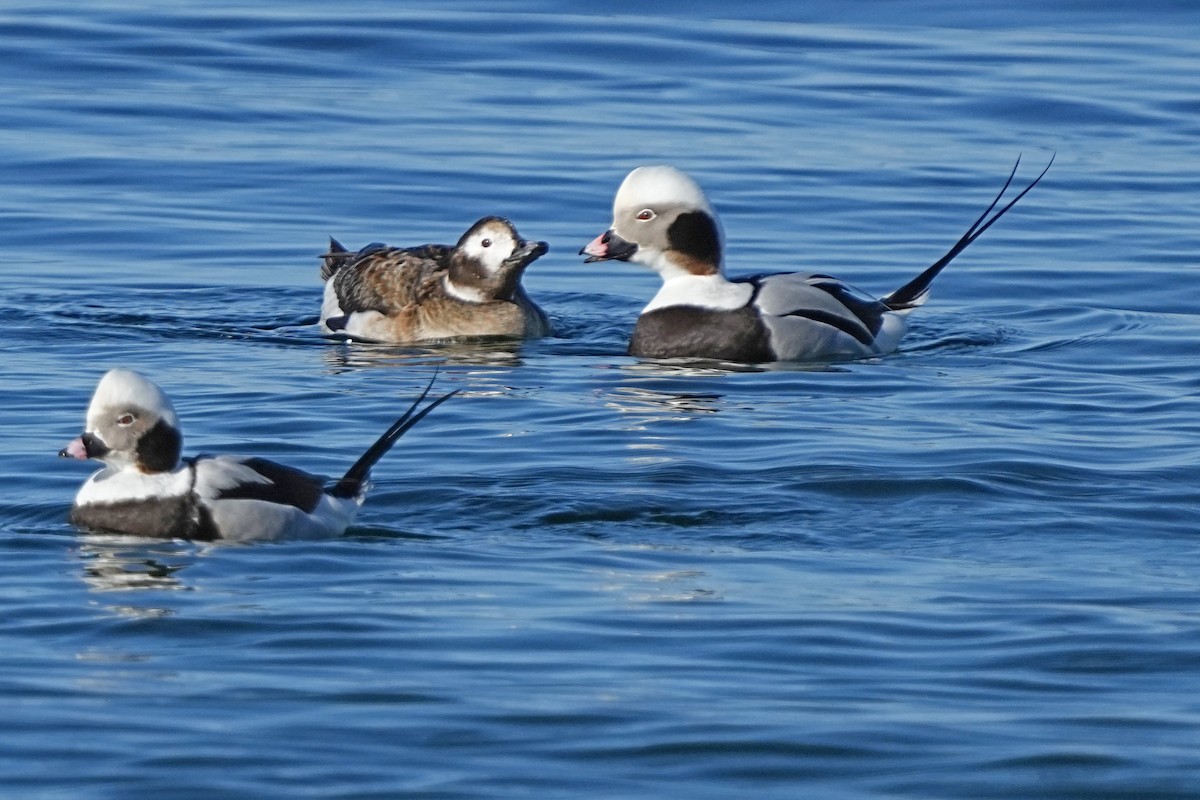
pixel 159 448
pixel 694 234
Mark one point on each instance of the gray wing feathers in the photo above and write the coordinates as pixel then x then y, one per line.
pixel 815 316
pixel 785 294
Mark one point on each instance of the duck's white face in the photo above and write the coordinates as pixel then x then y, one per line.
pixel 493 244
pixel 130 423
pixel 662 219
pixel 490 243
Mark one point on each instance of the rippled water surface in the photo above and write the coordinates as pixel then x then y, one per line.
pixel 968 569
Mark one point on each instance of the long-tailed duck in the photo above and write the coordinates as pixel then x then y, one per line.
pixel 662 219
pixel 145 489
pixel 413 294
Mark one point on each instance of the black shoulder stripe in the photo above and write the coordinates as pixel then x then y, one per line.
pixel 288 486
pixel 203 528
pixel 843 324
pixel 868 311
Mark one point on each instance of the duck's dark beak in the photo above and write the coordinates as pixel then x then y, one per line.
pixel 608 247
pixel 84 447
pixel 528 252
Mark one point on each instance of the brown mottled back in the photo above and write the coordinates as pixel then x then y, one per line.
pixel 382 279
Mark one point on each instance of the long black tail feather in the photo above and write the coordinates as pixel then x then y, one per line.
pixel 351 483
pixel 334 259
pixel 916 291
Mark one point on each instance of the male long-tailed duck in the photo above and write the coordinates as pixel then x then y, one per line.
pixel 146 489
pixel 662 219
pixel 431 292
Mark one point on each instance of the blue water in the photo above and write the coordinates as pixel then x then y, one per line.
pixel 969 569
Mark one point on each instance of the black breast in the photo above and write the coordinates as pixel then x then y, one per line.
pixel 159 518
pixel 693 332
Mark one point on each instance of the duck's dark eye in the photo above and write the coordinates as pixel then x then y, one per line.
pixel 486 243
pixel 126 419
pixel 645 214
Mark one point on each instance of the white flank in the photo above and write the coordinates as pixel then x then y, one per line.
pixel 330 305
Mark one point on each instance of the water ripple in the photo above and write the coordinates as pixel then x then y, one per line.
pixel 965 569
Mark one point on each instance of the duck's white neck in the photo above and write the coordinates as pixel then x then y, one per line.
pixel 705 291
pixel 466 293
pixel 671 264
